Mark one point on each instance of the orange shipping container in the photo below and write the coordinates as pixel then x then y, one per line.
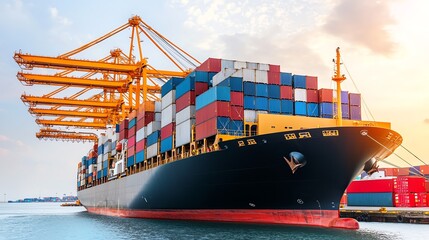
pixel 403 171
pixel 424 169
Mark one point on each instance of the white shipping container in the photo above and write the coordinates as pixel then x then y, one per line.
pixel 106 156
pixel 168 115
pixel 153 126
pixel 300 95
pixel 183 132
pixel 141 134
pixel 263 67
pixel 168 99
pixel 117 136
pixel 102 139
pixel 226 63
pixel 152 150
pixel 99 158
pixel 251 65
pixel 249 115
pixel 110 133
pixel 119 167
pixel 261 76
pixel 158 116
pixel 239 65
pixel 100 165
pixel 91 168
pixel 249 75
pixel 220 76
pixel 185 114
pixel 158 106
pixel 107 146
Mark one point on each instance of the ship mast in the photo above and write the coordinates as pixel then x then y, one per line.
pixel 338 78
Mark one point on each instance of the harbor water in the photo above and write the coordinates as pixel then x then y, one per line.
pixel 51 221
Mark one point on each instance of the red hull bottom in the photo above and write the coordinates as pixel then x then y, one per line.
pixel 318 218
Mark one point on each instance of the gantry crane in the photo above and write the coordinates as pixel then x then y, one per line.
pixel 110 87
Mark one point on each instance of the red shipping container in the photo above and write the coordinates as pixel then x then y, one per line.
pixel 274 78
pixel 404 200
pixel 237 99
pixel 286 92
pixel 131 141
pixel 420 199
pixel 206 129
pixel 132 131
pixel 237 113
pixel 424 169
pixel 312 96
pixel 167 131
pixel 373 185
pixel 200 88
pixel 274 68
pixel 140 145
pixel 403 171
pixel 215 109
pixel 133 114
pixel 409 184
pixel 395 171
pixel 123 134
pixel 311 82
pixel 123 125
pixel 210 65
pixel 326 95
pixel 427 187
pixel 185 100
pixel 343 200
pixel 131 151
pixel 388 172
pixel 149 117
pixel 140 124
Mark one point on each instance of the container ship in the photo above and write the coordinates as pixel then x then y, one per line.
pixel 235 142
pixel 228 141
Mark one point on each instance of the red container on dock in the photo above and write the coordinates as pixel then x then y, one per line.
pixel 420 199
pixel 123 134
pixel 210 65
pixel 215 109
pixel 403 171
pixel 274 68
pixel 167 131
pixel 237 99
pixel 311 82
pixel 201 87
pixel 274 78
pixel 312 96
pixel 326 95
pixel 237 113
pixel 404 200
pixel 286 92
pixel 373 185
pixel 409 184
pixel 185 100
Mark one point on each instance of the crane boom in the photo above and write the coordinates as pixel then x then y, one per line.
pixel 68 102
pixel 69 113
pixel 94 125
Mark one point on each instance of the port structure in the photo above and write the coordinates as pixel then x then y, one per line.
pixel 95 94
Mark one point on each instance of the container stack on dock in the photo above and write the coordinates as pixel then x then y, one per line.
pixel 219 97
pixel 402 191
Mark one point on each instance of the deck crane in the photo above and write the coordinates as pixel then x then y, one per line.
pixel 108 88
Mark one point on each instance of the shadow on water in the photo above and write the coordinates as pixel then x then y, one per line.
pixel 128 228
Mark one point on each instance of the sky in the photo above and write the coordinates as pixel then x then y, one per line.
pixel 383 44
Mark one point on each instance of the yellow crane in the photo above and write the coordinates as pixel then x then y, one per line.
pixel 108 88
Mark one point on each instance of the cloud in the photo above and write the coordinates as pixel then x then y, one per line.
pixel 60 19
pixel 426 121
pixel 3 152
pixel 363 22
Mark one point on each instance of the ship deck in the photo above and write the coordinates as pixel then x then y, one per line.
pixel 386 214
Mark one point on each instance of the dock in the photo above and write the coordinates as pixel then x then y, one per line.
pixel 387 214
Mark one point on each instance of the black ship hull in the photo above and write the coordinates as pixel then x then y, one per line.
pixel 295 177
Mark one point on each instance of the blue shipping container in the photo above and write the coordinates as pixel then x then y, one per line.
pixel 236 127
pixel 132 122
pixel 235 83
pixel 223 125
pixel 99 174
pixel 299 81
pixel 170 85
pixel 370 199
pixel 261 90
pixel 262 103
pixel 249 103
pixel 300 108
pixel 286 106
pixel 344 97
pixel 326 110
pixel 153 138
pixel 274 91
pixel 274 106
pixel 249 88
pixel 105 164
pixel 130 161
pixel 286 79
pixel 166 144
pixel 187 85
pixel 201 76
pixel 345 110
pixel 211 75
pixel 105 172
pixel 312 109
pixel 140 157
pixel 117 128
pixel 217 93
